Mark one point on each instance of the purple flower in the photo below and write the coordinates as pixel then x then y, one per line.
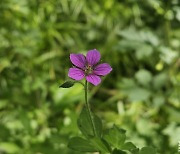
pixel 88 67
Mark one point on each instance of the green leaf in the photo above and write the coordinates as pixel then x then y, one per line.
pixel 80 144
pixel 98 125
pixel 138 94
pixel 158 100
pixel 100 145
pixel 116 151
pixel 9 147
pixel 85 125
pixel 160 80
pixel 167 54
pixel 115 137
pixel 144 51
pixel 128 146
pixel 143 76
pixel 133 91
pixel 147 150
pixel 135 151
pixel 4 132
pixel 67 84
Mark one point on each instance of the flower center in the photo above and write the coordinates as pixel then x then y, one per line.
pixel 88 70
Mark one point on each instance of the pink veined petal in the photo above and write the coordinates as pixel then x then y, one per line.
pixel 102 69
pixel 76 73
pixel 93 57
pixel 94 79
pixel 78 60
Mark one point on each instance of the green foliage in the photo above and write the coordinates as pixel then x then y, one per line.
pixel 84 123
pixel 115 151
pixel 100 145
pixel 112 140
pixel 85 126
pixel 80 144
pixel 115 137
pixel 67 84
pixel 140 39
pixel 147 150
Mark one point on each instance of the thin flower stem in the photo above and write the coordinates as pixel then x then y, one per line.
pixel 89 110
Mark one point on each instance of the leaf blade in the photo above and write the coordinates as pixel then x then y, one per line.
pixel 67 84
pixel 80 144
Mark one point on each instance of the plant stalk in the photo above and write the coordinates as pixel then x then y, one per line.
pixel 88 109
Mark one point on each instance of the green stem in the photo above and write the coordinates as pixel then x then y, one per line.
pixel 88 109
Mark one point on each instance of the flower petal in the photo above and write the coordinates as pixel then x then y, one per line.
pixel 76 73
pixel 78 60
pixel 93 57
pixel 102 69
pixel 94 79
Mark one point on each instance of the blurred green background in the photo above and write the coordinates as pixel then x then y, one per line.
pixel 139 39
